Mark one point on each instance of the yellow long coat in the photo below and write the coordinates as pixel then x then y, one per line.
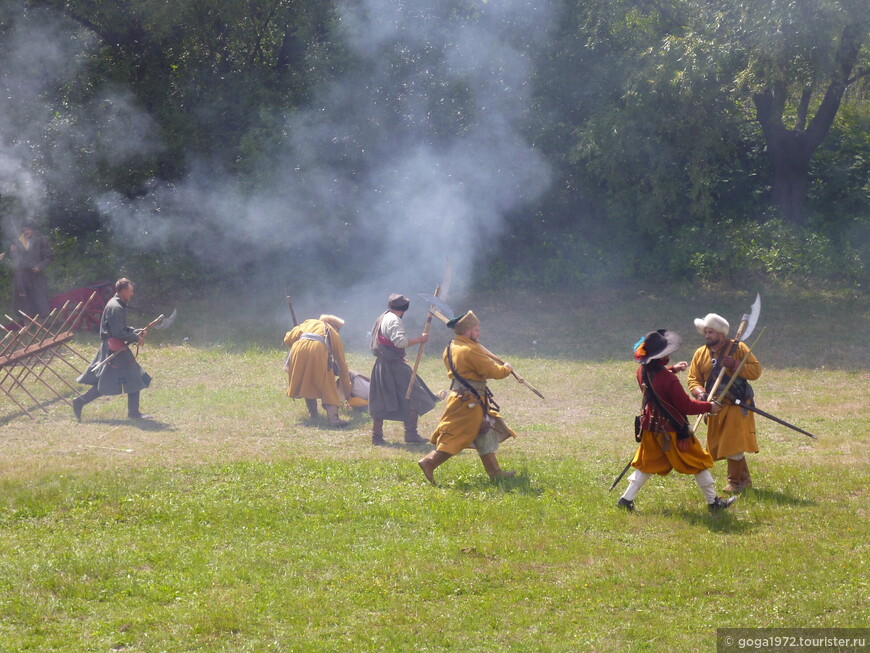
pixel 463 414
pixel 730 432
pixel 309 376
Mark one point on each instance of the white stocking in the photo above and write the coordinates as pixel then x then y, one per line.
pixel 705 482
pixel 636 481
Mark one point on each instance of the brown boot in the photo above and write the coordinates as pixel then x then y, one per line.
pixel 733 485
pixel 378 433
pixel 411 435
pixel 311 405
pixel 332 415
pixel 431 462
pixel 490 464
pixel 745 479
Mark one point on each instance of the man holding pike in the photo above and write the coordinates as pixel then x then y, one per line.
pixel 471 416
pixel 731 433
pixel 391 375
pixel 114 369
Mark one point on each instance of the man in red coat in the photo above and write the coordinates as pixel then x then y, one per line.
pixel 666 441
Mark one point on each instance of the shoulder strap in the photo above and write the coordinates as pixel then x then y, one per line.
pixel 488 398
pixel 678 426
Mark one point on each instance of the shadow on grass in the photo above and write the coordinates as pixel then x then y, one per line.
pixel 36 409
pixel 141 424
pixel 777 497
pixel 519 484
pixel 720 522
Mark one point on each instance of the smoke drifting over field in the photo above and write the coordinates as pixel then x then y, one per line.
pixel 415 157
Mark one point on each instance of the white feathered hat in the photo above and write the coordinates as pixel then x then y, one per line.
pixel 712 321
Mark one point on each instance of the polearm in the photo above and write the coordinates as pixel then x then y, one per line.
pixel 441 291
pixel 736 373
pixel 142 333
pixel 737 402
pixel 513 371
pixel 420 350
pixel 747 325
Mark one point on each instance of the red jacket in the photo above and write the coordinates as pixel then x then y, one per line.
pixel 672 396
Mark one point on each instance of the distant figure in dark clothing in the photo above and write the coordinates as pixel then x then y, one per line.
pixel 31 253
pixel 122 373
pixel 391 375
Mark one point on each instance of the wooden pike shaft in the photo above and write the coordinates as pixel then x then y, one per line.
pixel 733 376
pixel 737 337
pixel 516 376
pixel 420 350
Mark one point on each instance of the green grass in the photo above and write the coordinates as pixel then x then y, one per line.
pixel 230 523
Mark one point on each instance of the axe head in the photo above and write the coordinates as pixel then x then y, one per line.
pixel 441 308
pixel 751 318
pixel 167 322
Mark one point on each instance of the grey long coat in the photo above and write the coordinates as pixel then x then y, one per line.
pixel 122 374
pixel 29 288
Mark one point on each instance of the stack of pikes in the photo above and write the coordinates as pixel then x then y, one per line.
pixel 37 354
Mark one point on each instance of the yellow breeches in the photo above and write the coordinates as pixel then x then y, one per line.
pixel 658 454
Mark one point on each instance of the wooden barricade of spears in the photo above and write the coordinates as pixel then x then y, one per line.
pixel 37 352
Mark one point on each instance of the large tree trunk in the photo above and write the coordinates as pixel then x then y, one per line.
pixel 790 150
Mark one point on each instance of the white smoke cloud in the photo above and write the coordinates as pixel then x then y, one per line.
pixel 47 146
pixel 415 156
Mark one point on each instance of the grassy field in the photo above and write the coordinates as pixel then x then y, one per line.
pixel 231 523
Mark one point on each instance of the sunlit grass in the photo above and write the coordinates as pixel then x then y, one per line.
pixel 232 523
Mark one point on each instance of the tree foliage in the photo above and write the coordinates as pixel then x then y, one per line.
pixel 692 121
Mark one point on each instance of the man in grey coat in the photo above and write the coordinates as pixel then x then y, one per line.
pixel 114 369
pixel 31 254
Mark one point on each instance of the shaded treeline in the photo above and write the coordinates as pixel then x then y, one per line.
pixel 690 139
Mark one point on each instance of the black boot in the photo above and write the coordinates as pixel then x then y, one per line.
pixel 133 407
pixel 84 399
pixel 720 504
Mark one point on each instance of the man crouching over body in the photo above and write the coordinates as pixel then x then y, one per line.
pixel 471 416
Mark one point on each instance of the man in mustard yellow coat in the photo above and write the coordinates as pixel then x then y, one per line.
pixel 470 401
pixel 316 358
pixel 731 433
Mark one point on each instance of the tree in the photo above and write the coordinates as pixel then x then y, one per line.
pixel 794 61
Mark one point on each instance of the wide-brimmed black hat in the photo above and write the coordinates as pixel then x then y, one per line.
pixel 656 344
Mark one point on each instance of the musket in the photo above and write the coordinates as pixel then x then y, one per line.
pixel 441 291
pixel 737 402
pixel 744 330
pixel 513 371
pixel 292 312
